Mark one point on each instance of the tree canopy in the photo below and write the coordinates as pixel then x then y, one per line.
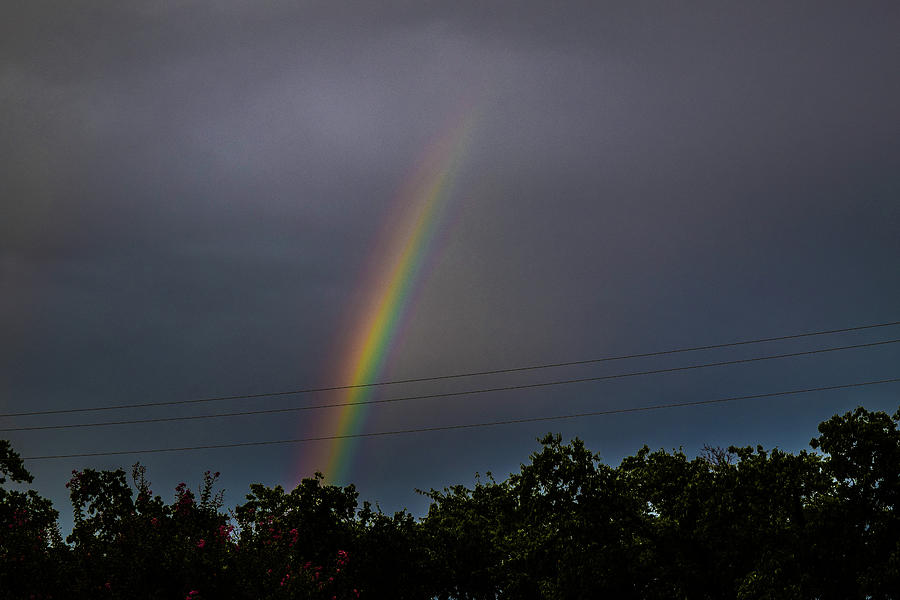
pixel 740 522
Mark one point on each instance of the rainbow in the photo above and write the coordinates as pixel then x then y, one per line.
pixel 405 249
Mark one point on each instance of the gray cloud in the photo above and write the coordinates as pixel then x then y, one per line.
pixel 191 192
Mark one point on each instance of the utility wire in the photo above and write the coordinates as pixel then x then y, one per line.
pixel 471 425
pixel 452 394
pixel 451 376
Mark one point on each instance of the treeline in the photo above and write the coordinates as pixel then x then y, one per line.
pixel 735 523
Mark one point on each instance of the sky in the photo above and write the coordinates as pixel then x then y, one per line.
pixel 204 199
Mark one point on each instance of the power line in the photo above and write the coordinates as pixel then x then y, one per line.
pixel 471 425
pixel 450 376
pixel 452 394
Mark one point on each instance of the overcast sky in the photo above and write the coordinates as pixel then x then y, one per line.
pixel 192 193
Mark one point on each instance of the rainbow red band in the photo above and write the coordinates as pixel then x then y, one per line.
pixel 389 290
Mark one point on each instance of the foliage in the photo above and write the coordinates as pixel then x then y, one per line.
pixel 731 523
pixel 29 537
pixel 292 545
pixel 467 539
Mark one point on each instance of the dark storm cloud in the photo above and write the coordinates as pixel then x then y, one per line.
pixel 190 193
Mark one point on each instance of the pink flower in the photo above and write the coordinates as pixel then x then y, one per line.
pixel 225 531
pixel 201 543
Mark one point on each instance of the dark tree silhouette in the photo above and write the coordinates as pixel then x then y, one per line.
pixel 731 523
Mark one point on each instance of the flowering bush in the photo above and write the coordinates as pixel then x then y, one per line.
pixel 292 545
pixel 128 543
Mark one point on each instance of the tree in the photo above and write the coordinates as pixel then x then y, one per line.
pixel 469 536
pixel 738 523
pixel 29 537
pixel 295 545
pixel 857 522
pixel 138 547
pixel 580 528
pixel 390 558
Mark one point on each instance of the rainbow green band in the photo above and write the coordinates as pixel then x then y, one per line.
pixel 390 291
